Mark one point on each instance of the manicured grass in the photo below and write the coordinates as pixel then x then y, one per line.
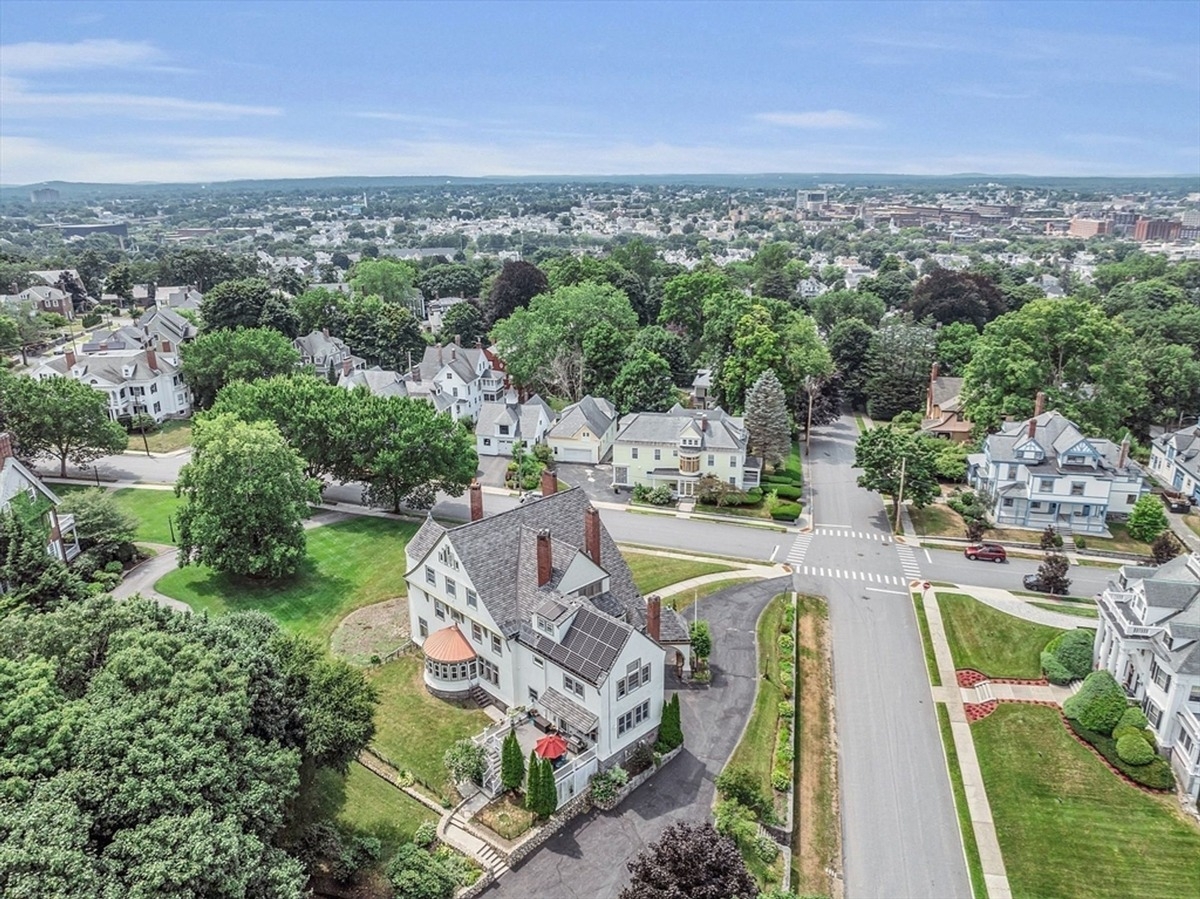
pixel 652 573
pixel 152 508
pixel 1192 520
pixel 935 676
pixel 862 425
pixel 1077 611
pixel 685 600
pixel 366 803
pixel 990 641
pixel 173 435
pixel 506 816
pixel 1119 542
pixel 1068 827
pixel 756 749
pixel 350 564
pixel 413 729
pixel 937 521
pixel 971 847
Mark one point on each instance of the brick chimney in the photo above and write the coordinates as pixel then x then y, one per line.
pixel 653 617
pixel 1032 428
pixel 347 366
pixel 458 340
pixel 69 355
pixel 6 447
pixel 476 501
pixel 1039 404
pixel 934 371
pixel 549 482
pixel 325 331
pixel 152 360
pixel 703 423
pixel 591 534
pixel 1123 457
pixel 544 560
pixel 166 346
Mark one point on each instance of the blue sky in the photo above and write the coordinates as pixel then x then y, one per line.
pixel 179 91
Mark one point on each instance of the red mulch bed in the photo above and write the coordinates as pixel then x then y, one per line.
pixel 969 677
pixel 977 710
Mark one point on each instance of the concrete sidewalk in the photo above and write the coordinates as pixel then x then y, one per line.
pixel 1005 601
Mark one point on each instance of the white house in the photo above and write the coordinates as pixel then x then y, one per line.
pixel 18 481
pixel 1149 640
pixel 456 379
pixel 584 432
pixel 501 424
pixel 677 447
pixel 1044 471
pixel 536 609
pixel 1175 460
pixel 136 381
pixel 379 381
pixel 327 355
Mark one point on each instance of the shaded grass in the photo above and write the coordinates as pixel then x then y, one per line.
pixel 970 846
pixel 366 803
pixel 151 508
pixel 173 435
pixel 1068 827
pixel 1192 520
pixel 990 641
pixel 633 547
pixel 506 816
pixel 652 572
pixel 413 729
pixel 683 601
pixel 1077 611
pixel 350 564
pixel 935 676
pixel 937 521
pixel 756 750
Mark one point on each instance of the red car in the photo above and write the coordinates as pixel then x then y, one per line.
pixel 988 552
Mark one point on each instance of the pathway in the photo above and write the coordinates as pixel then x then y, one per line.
pixel 1005 601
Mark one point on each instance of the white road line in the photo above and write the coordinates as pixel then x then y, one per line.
pixel 891 592
pixel 928 558
pixel 774 552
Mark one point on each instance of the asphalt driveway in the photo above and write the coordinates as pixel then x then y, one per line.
pixel 586 860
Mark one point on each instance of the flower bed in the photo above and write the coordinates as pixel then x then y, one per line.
pixel 977 710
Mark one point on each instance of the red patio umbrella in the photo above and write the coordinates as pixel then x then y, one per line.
pixel 551 746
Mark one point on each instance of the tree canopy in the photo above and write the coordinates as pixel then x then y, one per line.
pixel 61 417
pixel 213 360
pixel 516 284
pixel 689 861
pixel 235 304
pixel 888 455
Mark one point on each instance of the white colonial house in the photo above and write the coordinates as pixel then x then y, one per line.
pixel 457 380
pixel 584 432
pixel 535 610
pixel 1044 471
pixel 1149 640
pixel 677 447
pixel 136 381
pixel 501 424
pixel 18 483
pixel 1175 460
pixel 328 356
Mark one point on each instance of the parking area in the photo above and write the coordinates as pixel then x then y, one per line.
pixel 596 481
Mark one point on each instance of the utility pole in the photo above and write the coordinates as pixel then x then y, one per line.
pixel 900 494
pixel 809 384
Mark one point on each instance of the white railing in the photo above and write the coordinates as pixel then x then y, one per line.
pixel 1128 626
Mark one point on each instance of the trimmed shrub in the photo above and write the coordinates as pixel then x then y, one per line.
pixel 425 834
pixel 781 779
pixel 1134 717
pixel 765 848
pixel 1122 730
pixel 1054 670
pixel 1074 650
pixel 1099 704
pixel 1133 749
pixel 1156 775
pixel 784 491
pixel 754 495
pixel 787 710
pixel 786 512
pixel 641 759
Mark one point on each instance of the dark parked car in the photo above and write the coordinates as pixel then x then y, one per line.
pixel 988 552
pixel 1034 583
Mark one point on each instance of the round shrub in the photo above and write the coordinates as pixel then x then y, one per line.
pixel 425 834
pixel 786 491
pixel 781 780
pixel 786 512
pixel 1054 670
pixel 1073 650
pixel 765 848
pixel 1099 704
pixel 1133 717
pixel 1134 750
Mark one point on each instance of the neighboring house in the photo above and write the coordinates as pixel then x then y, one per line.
pixel 185 297
pixel 436 308
pixel 456 380
pixel 701 388
pixel 944 417
pixel 1175 460
pixel 501 424
pixel 127 337
pixel 378 381
pixel 584 432
pixel 810 288
pixel 17 480
pixel 676 448
pixel 1045 472
pixel 1149 640
pixel 48 299
pixel 327 355
pixel 535 608
pixel 136 381
pixel 166 330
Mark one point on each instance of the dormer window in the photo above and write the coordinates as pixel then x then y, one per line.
pixel 543 625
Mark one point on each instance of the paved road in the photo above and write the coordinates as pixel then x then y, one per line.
pixel 953 567
pixel 900 830
pixel 587 859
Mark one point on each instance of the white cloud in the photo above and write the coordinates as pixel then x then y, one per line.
pixel 35 56
pixel 826 119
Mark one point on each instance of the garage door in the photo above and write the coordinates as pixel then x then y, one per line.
pixel 573 454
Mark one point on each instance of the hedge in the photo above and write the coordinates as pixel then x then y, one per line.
pixel 1157 775
pixel 1054 670
pixel 1099 704
pixel 1134 750
pixel 786 492
pixel 786 512
pixel 1073 651
pixel 1134 717
pixel 790 480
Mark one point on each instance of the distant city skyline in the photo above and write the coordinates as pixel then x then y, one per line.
pixel 185 91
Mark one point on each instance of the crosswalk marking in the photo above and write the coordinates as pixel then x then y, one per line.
pixel 796 554
pixel 908 561
pixel 844 533
pixel 817 571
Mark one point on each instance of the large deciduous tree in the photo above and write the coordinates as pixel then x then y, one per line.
pixel 213 360
pixel 767 419
pixel 889 456
pixel 948 296
pixel 462 322
pixel 643 384
pixel 684 300
pixel 517 283
pixel 449 280
pixel 689 861
pixel 389 279
pixel 850 347
pixel 32 578
pixel 61 417
pixel 757 347
pixel 385 334
pixel 203 268
pixel 235 304
pixel 1067 348
pixel 838 305
pixel 246 497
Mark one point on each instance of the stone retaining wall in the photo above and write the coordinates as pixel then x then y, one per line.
pixel 558 820
pixel 634 782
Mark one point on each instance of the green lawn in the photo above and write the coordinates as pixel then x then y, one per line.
pixel 350 564
pixel 990 641
pixel 173 435
pixel 937 521
pixel 971 847
pixel 413 729
pixel 1068 827
pixel 152 509
pixel 756 749
pixel 366 803
pixel 1192 520
pixel 683 601
pixel 935 676
pixel 652 573
pixel 1077 611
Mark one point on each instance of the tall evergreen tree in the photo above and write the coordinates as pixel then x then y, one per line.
pixel 533 787
pixel 547 789
pixel 512 763
pixel 670 730
pixel 767 419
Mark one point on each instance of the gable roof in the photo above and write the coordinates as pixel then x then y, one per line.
pixel 717 429
pixel 110 366
pixel 596 413
pixel 15 478
pixel 381 382
pixel 946 393
pixel 1057 435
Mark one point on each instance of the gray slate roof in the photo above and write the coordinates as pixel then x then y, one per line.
pixel 380 382
pixel 566 708
pixel 521 418
pixel 110 367
pixel 1056 434
pixel 1174 586
pixel 1187 448
pixel 595 412
pixel 946 393
pixel 722 432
